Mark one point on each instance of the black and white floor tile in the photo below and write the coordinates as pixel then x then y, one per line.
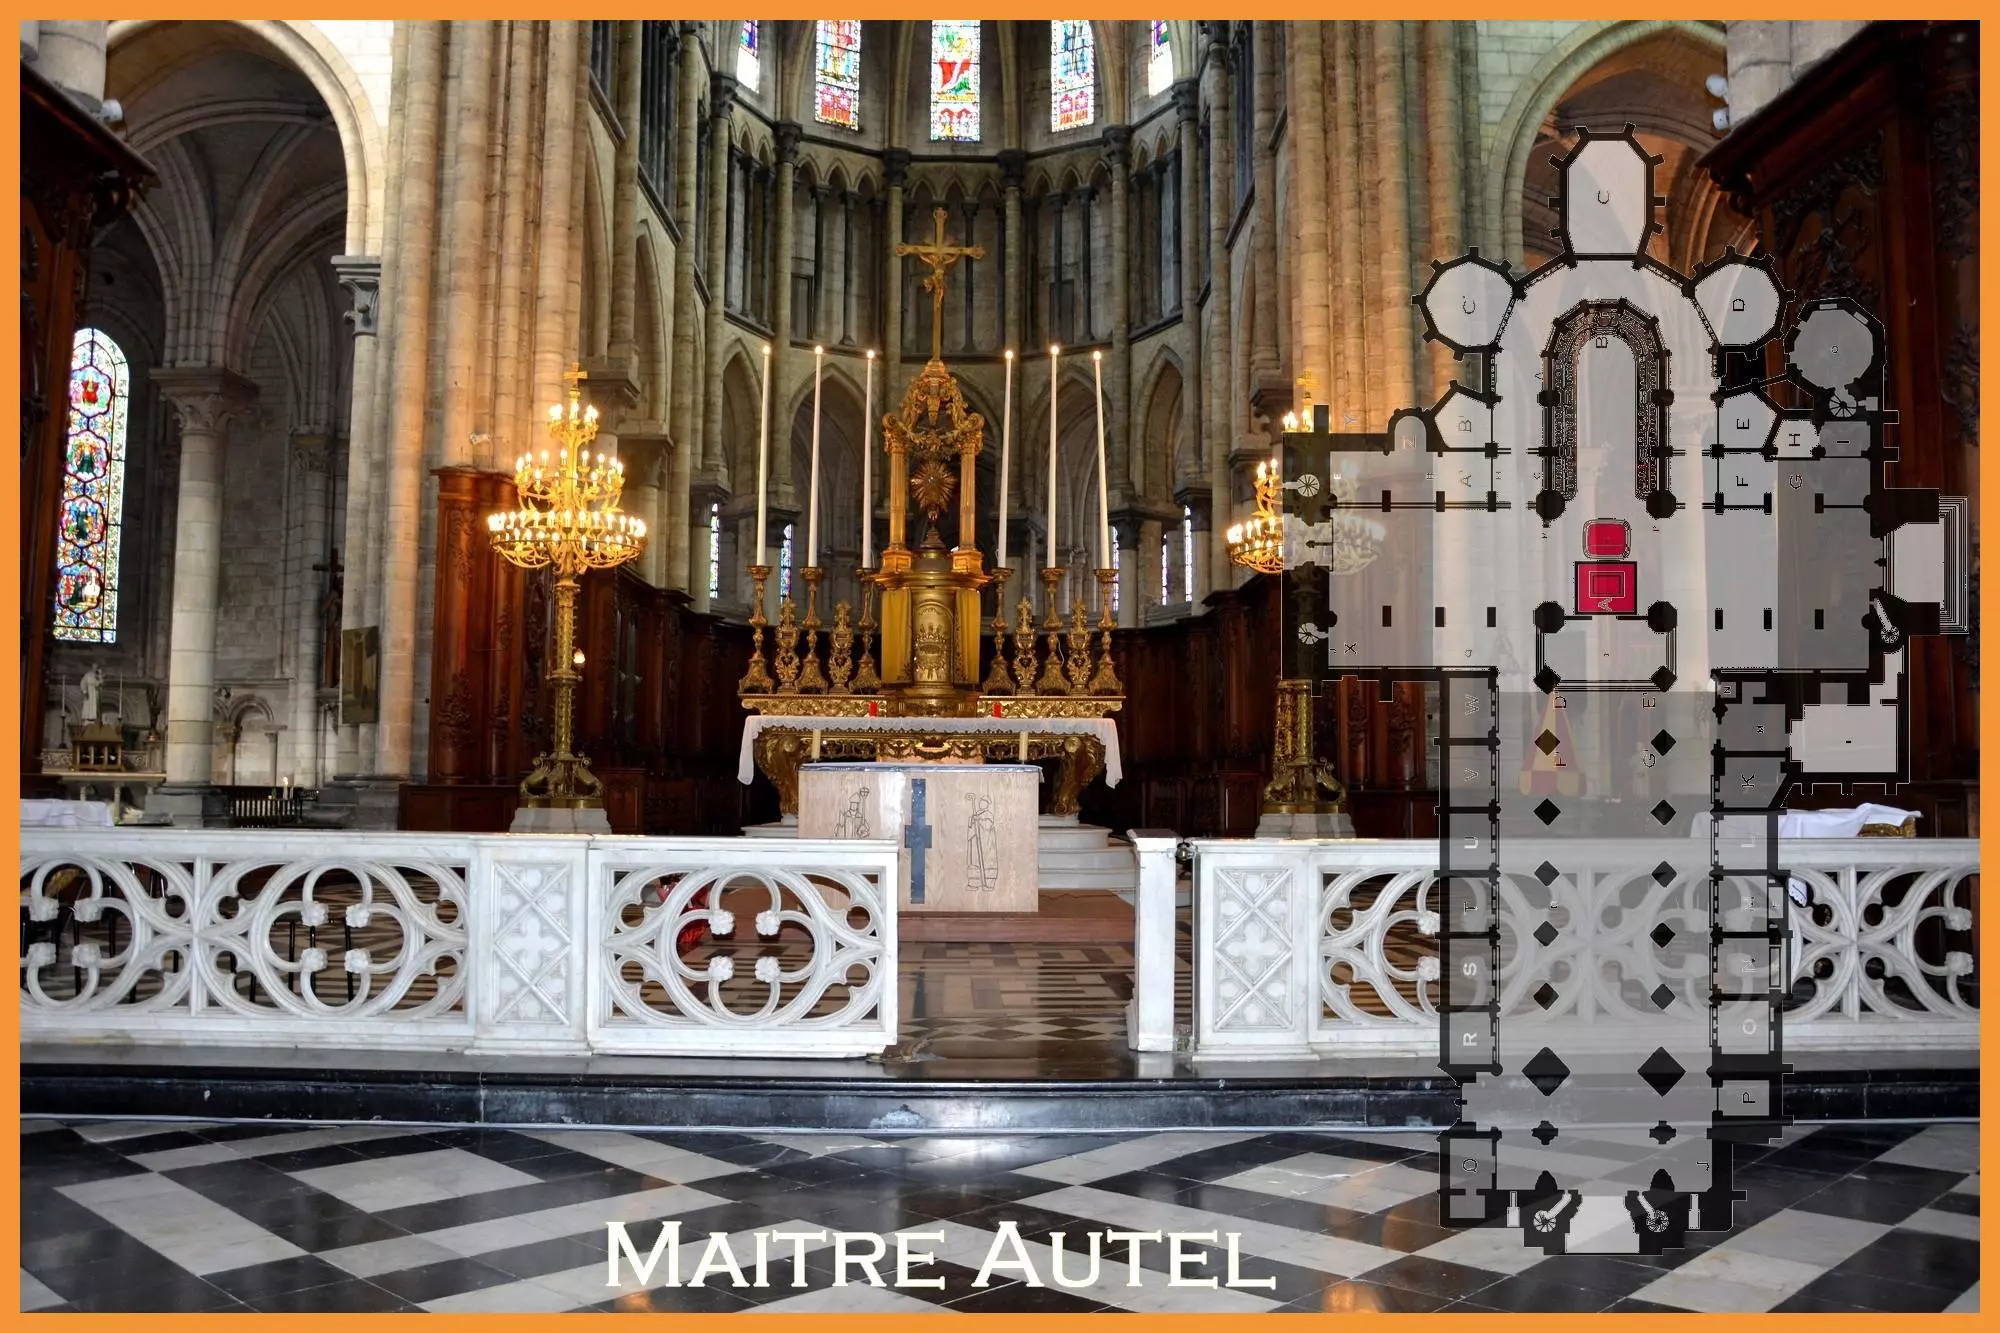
pixel 197 1217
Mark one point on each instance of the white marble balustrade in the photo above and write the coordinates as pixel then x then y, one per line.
pixel 1323 949
pixel 558 945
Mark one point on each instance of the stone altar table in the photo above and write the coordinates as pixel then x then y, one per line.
pixel 968 833
pixel 780 744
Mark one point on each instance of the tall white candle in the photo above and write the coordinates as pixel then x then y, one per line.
pixel 812 488
pixel 1103 482
pixel 868 468
pixel 763 454
pixel 1049 534
pixel 1006 450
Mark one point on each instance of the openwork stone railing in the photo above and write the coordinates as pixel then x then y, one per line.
pixel 442 942
pixel 1323 949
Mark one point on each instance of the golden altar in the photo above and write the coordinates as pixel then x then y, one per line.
pixel 818 701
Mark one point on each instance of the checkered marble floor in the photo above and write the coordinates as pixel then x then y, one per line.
pixel 195 1217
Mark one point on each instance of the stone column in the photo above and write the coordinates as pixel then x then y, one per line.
pixel 895 171
pixel 1205 545
pixel 1187 108
pixel 683 385
pixel 646 465
pixel 515 420
pixel 1393 197
pixel 554 346
pixel 1348 393
pixel 622 344
pixel 1220 384
pixel 309 468
pixel 465 302
pixel 361 275
pixel 1266 373
pixel 1120 438
pixel 366 575
pixel 409 406
pixel 1013 175
pixel 708 454
pixel 1129 528
pixel 782 360
pixel 205 400
pixel 70 54
pixel 1447 170
pixel 1306 133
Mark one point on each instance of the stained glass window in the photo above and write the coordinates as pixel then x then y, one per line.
pixel 785 565
pixel 1072 74
pixel 1159 58
pixel 955 80
pixel 749 56
pixel 715 550
pixel 837 73
pixel 93 499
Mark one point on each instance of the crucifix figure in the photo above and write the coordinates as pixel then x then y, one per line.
pixel 940 257
pixel 575 375
pixel 917 837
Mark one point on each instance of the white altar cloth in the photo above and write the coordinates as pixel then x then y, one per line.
pixel 66 814
pixel 1103 728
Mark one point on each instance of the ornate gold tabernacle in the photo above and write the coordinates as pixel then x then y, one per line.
pixel 929 611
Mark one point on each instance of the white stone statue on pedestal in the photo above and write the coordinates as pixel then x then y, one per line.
pixel 92 683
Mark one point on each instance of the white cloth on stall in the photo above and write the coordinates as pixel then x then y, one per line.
pixel 65 814
pixel 1808 824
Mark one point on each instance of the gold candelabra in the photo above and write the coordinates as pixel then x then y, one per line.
pixel 1258 542
pixel 1105 679
pixel 998 681
pixel 568 521
pixel 811 679
pixel 867 680
pixel 1052 680
pixel 757 678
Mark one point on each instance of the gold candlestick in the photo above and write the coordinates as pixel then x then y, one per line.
pixel 1052 681
pixel 811 679
pixel 1024 646
pixel 757 680
pixel 788 646
pixel 866 679
pixel 1105 681
pixel 997 679
pixel 1078 665
pixel 840 650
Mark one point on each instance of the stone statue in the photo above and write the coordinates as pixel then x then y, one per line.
pixel 92 683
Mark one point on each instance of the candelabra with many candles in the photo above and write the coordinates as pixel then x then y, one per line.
pixel 1303 796
pixel 568 522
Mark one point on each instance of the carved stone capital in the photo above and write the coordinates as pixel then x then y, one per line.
pixel 645 456
pixel 611 385
pixel 721 95
pixel 896 167
pixel 309 450
pixel 1187 99
pixel 1013 168
pixel 205 399
pixel 361 275
pixel 787 133
pixel 1117 146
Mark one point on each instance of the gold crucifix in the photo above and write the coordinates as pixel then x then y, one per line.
pixel 940 257
pixel 1305 383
